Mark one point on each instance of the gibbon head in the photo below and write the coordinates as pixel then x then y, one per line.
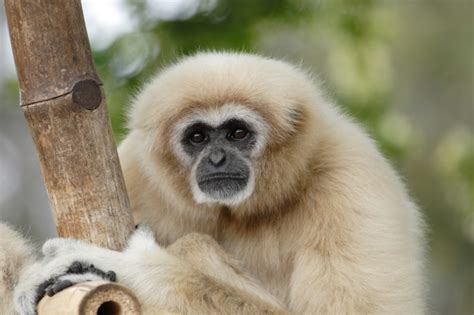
pixel 227 129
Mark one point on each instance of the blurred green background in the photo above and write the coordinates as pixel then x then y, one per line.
pixel 404 68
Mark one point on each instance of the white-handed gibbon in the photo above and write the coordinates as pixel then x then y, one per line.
pixel 257 196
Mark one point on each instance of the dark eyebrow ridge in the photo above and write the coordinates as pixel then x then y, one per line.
pixel 233 122
pixel 226 124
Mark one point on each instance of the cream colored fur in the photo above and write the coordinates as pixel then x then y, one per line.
pixel 15 254
pixel 328 229
pixel 351 242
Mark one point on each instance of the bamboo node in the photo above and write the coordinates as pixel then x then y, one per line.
pixel 87 94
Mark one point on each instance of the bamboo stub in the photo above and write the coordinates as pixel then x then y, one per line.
pixel 91 298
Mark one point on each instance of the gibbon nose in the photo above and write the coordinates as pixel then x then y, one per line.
pixel 217 157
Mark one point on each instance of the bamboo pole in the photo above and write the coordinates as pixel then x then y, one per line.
pixel 64 105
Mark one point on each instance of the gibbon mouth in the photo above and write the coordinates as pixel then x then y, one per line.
pixel 223 185
pixel 223 177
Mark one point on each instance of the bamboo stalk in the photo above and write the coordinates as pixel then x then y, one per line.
pixel 64 105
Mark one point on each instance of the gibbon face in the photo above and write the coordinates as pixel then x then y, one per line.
pixel 219 146
pixel 228 130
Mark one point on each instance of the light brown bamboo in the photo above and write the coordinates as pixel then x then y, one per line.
pixel 91 298
pixel 64 105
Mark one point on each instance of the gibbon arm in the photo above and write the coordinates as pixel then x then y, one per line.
pixel 206 256
pixel 178 279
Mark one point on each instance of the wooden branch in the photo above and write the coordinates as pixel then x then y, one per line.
pixel 64 105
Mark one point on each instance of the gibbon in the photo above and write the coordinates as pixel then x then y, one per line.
pixel 254 194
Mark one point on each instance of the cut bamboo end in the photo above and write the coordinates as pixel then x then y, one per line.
pixel 91 298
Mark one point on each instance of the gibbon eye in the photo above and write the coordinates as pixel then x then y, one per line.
pixel 238 134
pixel 198 137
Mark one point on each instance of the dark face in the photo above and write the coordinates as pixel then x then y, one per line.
pixel 220 156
